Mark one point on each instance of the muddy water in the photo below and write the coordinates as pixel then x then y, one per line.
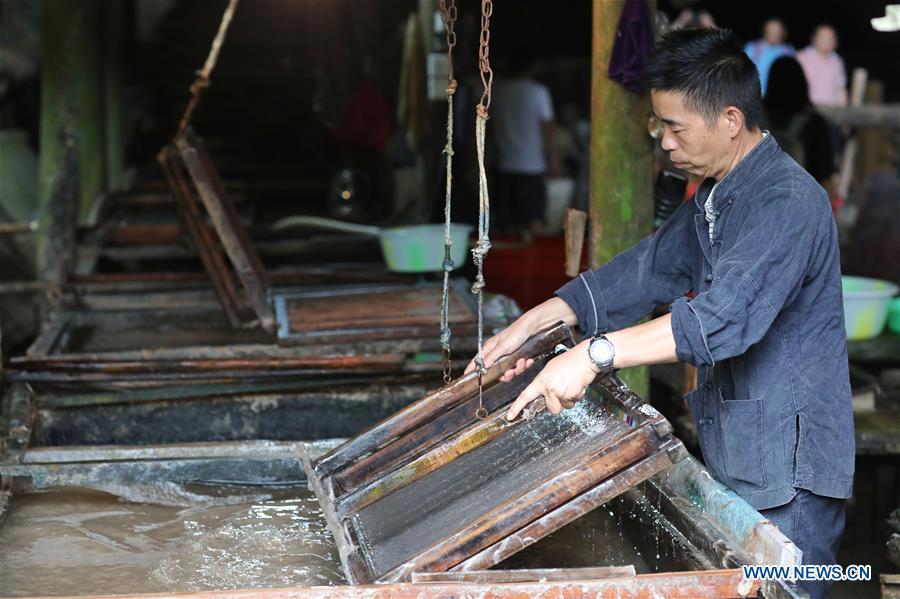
pixel 616 534
pixel 79 541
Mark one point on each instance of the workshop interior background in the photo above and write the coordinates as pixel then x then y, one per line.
pixel 337 109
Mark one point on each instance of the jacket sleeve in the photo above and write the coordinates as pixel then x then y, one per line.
pixel 627 288
pixel 754 279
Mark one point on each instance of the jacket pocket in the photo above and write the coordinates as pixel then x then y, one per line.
pixel 742 442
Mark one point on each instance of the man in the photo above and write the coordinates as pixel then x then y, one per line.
pixel 824 69
pixel 523 133
pixel 758 247
pixel 764 51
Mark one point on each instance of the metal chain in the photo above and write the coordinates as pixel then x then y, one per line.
pixel 448 12
pixel 484 206
pixel 484 62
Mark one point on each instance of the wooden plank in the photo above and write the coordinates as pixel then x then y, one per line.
pixel 533 575
pixel 229 230
pixel 715 584
pixel 885 116
pixel 49 339
pixel 116 453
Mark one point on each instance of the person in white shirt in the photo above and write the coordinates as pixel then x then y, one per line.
pixel 522 129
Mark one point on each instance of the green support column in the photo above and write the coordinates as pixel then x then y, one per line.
pixel 92 139
pixel 118 32
pixel 71 149
pixel 621 180
pixel 60 83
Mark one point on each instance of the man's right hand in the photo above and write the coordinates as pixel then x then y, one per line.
pixel 512 337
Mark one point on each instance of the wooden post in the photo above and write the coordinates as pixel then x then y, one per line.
pixel 91 120
pixel 621 180
pixel 118 31
pixel 59 181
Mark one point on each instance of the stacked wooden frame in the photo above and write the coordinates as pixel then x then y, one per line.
pixel 433 488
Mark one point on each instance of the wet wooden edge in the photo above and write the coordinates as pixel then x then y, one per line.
pixel 716 584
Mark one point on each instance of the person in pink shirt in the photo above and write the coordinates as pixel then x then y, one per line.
pixel 824 69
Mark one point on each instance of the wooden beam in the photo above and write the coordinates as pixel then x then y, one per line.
pixel 673 585
pixel 621 160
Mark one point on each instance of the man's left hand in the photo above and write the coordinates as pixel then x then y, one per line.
pixel 562 382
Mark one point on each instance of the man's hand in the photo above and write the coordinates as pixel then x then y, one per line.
pixel 562 382
pixel 503 343
pixel 512 337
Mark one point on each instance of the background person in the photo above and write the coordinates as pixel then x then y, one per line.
pixel 824 69
pixel 523 129
pixel 771 46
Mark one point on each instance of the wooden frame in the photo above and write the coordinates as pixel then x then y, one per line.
pixel 201 237
pixel 368 486
pixel 194 341
pixel 233 237
pixel 347 315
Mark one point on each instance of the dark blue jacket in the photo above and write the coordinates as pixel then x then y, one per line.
pixel 765 327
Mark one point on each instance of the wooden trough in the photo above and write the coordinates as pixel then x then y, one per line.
pixel 717 538
pixel 489 505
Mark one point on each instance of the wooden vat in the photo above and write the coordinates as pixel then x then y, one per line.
pixel 722 531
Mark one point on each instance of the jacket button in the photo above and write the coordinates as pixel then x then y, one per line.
pixel 709 278
pixel 707 386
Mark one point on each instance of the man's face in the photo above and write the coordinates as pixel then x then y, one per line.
pixel 691 143
pixel 774 32
pixel 825 39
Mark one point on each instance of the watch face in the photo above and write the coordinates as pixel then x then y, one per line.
pixel 601 351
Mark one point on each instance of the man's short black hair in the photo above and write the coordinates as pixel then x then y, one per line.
pixel 709 68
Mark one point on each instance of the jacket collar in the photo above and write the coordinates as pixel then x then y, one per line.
pixel 745 170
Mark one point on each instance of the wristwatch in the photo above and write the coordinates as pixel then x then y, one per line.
pixel 602 353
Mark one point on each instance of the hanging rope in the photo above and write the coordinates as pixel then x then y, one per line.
pixel 448 12
pixel 202 80
pixel 484 206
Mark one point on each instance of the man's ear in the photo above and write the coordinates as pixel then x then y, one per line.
pixel 734 120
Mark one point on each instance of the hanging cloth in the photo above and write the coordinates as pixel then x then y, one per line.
pixel 634 41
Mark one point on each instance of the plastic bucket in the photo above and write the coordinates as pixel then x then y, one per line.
pixel 866 306
pixel 420 248
pixel 894 315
